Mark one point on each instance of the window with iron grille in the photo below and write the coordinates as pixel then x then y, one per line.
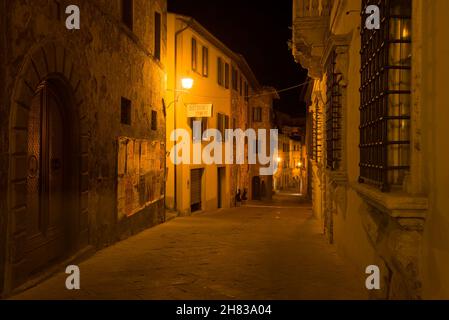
pixel 317 134
pixel 333 115
pixel 386 95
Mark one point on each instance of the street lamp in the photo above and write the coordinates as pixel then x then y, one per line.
pixel 187 83
pixel 279 160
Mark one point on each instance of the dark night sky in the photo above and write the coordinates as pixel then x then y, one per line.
pixel 259 30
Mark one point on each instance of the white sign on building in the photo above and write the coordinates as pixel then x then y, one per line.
pixel 199 110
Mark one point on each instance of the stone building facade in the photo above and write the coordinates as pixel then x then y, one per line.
pixel 378 112
pixel 261 117
pixel 69 98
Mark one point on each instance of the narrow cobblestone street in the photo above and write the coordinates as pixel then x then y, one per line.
pixel 261 251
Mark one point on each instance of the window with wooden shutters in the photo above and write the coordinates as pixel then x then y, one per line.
pixel 220 78
pixel 194 55
pixel 205 62
pixel 198 136
pixel 226 80
pixel 235 76
pixel 333 115
pixel 241 85
pixel 386 95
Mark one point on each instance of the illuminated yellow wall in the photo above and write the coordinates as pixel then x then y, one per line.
pixel 205 90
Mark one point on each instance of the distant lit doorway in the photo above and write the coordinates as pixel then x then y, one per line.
pixel 221 177
pixel 196 177
pixel 256 188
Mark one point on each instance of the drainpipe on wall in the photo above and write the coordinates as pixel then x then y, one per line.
pixel 177 33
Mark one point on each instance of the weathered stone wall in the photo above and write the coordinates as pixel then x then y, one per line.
pixel 3 144
pixel 369 227
pixel 102 62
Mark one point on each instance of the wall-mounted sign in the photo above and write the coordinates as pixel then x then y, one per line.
pixel 199 110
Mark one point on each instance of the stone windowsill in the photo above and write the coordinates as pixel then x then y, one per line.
pixel 397 204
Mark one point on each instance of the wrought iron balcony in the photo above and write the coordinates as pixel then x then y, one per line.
pixel 310 26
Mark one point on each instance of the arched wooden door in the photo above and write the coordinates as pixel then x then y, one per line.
pixel 47 218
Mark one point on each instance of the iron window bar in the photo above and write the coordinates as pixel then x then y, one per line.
pixel 333 114
pixel 385 95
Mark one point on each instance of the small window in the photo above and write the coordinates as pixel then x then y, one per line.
pixel 153 120
pixel 157 35
pixel 220 118
pixel 126 111
pixel 226 76
pixel 204 123
pixel 246 92
pixel 194 55
pixel 220 72
pixel 241 85
pixel 205 62
pixel 226 123
pixel 58 10
pixel 222 124
pixel 235 76
pixel 128 13
pixel 257 114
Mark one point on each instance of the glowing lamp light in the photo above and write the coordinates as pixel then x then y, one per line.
pixel 187 83
pixel 279 160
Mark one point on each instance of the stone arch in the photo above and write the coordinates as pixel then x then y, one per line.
pixel 47 62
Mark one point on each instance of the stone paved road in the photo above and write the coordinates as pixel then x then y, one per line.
pixel 255 252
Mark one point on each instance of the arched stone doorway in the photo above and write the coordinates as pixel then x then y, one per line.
pixel 48 176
